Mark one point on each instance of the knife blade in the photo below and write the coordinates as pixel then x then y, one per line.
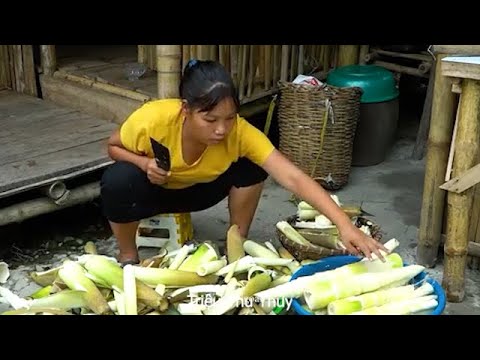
pixel 162 155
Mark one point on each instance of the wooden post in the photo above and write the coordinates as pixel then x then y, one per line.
pixel 441 127
pixel 347 55
pixel 49 59
pixel 168 70
pixel 459 205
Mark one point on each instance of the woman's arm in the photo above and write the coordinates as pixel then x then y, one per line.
pixel 118 152
pixel 294 179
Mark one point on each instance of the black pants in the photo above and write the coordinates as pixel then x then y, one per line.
pixel 128 195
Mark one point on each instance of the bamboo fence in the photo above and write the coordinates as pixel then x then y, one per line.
pixel 255 69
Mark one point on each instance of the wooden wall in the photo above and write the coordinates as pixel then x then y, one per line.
pixel 17 69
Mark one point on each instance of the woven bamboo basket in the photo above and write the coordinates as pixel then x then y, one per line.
pixel 317 127
pixel 315 252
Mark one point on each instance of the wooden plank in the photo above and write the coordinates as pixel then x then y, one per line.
pixel 4 71
pixel 41 141
pixel 73 130
pixel 97 103
pixel 456 49
pixel 463 182
pixel 465 67
pixel 29 70
pixel 45 169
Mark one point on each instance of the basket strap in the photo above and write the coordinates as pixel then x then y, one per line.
pixel 328 110
pixel 268 122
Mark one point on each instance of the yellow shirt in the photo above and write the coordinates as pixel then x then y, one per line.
pixel 163 121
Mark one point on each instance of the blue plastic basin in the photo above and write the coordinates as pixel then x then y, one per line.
pixel 330 263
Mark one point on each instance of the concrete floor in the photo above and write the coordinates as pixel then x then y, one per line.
pixel 391 191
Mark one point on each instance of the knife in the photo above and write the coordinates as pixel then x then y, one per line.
pixel 162 155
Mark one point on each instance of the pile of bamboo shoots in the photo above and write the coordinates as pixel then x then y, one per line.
pixel 315 228
pixel 250 279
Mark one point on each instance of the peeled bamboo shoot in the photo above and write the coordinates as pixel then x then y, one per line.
pixel 318 294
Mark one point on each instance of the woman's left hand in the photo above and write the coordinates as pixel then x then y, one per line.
pixel 358 243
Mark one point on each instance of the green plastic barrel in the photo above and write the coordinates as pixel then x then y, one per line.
pixel 378 121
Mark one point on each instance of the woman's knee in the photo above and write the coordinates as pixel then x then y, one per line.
pixel 121 178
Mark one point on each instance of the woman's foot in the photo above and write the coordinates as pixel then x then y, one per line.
pixel 128 259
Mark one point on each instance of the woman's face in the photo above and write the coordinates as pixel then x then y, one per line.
pixel 213 126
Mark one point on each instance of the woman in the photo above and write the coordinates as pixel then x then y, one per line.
pixel 214 154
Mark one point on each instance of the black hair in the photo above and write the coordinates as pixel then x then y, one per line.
pixel 205 84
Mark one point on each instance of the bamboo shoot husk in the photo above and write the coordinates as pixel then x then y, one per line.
pixel 235 241
pixel 4 272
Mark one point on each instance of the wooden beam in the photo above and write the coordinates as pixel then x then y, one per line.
pixel 466 67
pixel 463 182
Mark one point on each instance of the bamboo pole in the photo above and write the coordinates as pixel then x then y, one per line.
pixel 193 52
pixel 141 54
pixel 48 59
pixel 276 64
pixel 251 70
pixel 293 62
pixel 185 56
pixel 234 63
pixel 422 133
pixel 459 205
pixel 203 52
pixel 474 230
pixel 284 63
pixel 102 86
pixel 301 56
pixel 168 70
pixel 438 146
pixel 243 70
pixel 29 71
pixel 222 55
pixel 363 53
pixel 268 67
pixel 347 55
pixel 401 68
pixel 31 208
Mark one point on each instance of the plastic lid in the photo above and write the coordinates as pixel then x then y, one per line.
pixel 377 83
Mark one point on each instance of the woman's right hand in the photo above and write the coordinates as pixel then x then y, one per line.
pixel 156 175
